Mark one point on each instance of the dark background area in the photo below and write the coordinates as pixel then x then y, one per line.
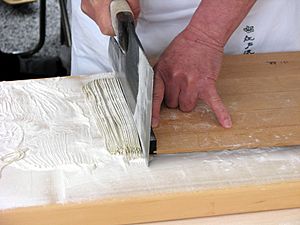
pixel 19 32
pixel 19 27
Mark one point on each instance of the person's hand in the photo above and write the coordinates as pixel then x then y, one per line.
pixel 99 11
pixel 186 72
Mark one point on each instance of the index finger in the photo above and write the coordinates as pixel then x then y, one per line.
pixel 158 95
pixel 214 101
pixel 135 7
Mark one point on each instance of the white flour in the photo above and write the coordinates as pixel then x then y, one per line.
pixel 48 123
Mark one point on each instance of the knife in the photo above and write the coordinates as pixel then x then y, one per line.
pixel 134 72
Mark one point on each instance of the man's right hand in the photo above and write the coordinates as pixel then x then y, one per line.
pixel 99 11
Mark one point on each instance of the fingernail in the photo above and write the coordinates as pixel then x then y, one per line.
pixel 155 122
pixel 227 123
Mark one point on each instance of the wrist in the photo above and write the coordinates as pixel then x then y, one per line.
pixel 218 19
pixel 200 37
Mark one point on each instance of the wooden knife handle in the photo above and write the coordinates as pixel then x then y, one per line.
pixel 120 7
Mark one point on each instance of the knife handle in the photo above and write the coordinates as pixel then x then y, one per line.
pixel 120 11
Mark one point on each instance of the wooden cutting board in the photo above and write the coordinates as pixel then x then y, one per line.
pixel 262 94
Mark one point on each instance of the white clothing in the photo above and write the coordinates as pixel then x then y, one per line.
pixel 270 26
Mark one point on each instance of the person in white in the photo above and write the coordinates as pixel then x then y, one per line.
pixel 189 37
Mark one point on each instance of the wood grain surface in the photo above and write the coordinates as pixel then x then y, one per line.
pixel 262 93
pixel 162 207
pixel 289 216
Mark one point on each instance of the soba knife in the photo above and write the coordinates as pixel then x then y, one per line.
pixel 134 72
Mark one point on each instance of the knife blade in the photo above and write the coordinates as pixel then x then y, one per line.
pixel 134 72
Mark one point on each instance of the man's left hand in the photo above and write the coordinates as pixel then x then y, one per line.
pixel 186 72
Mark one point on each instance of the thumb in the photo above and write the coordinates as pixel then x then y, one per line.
pixel 158 95
pixel 135 7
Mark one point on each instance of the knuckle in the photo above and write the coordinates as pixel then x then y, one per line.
pixel 176 76
pixel 106 29
pixel 157 98
pixel 215 99
pixel 186 108
pixel 159 70
pixel 83 6
pixel 171 103
pixel 158 94
pixel 187 105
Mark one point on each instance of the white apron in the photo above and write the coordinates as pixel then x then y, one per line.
pixel 271 26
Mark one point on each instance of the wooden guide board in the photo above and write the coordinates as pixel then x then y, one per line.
pixel 161 207
pixel 262 94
